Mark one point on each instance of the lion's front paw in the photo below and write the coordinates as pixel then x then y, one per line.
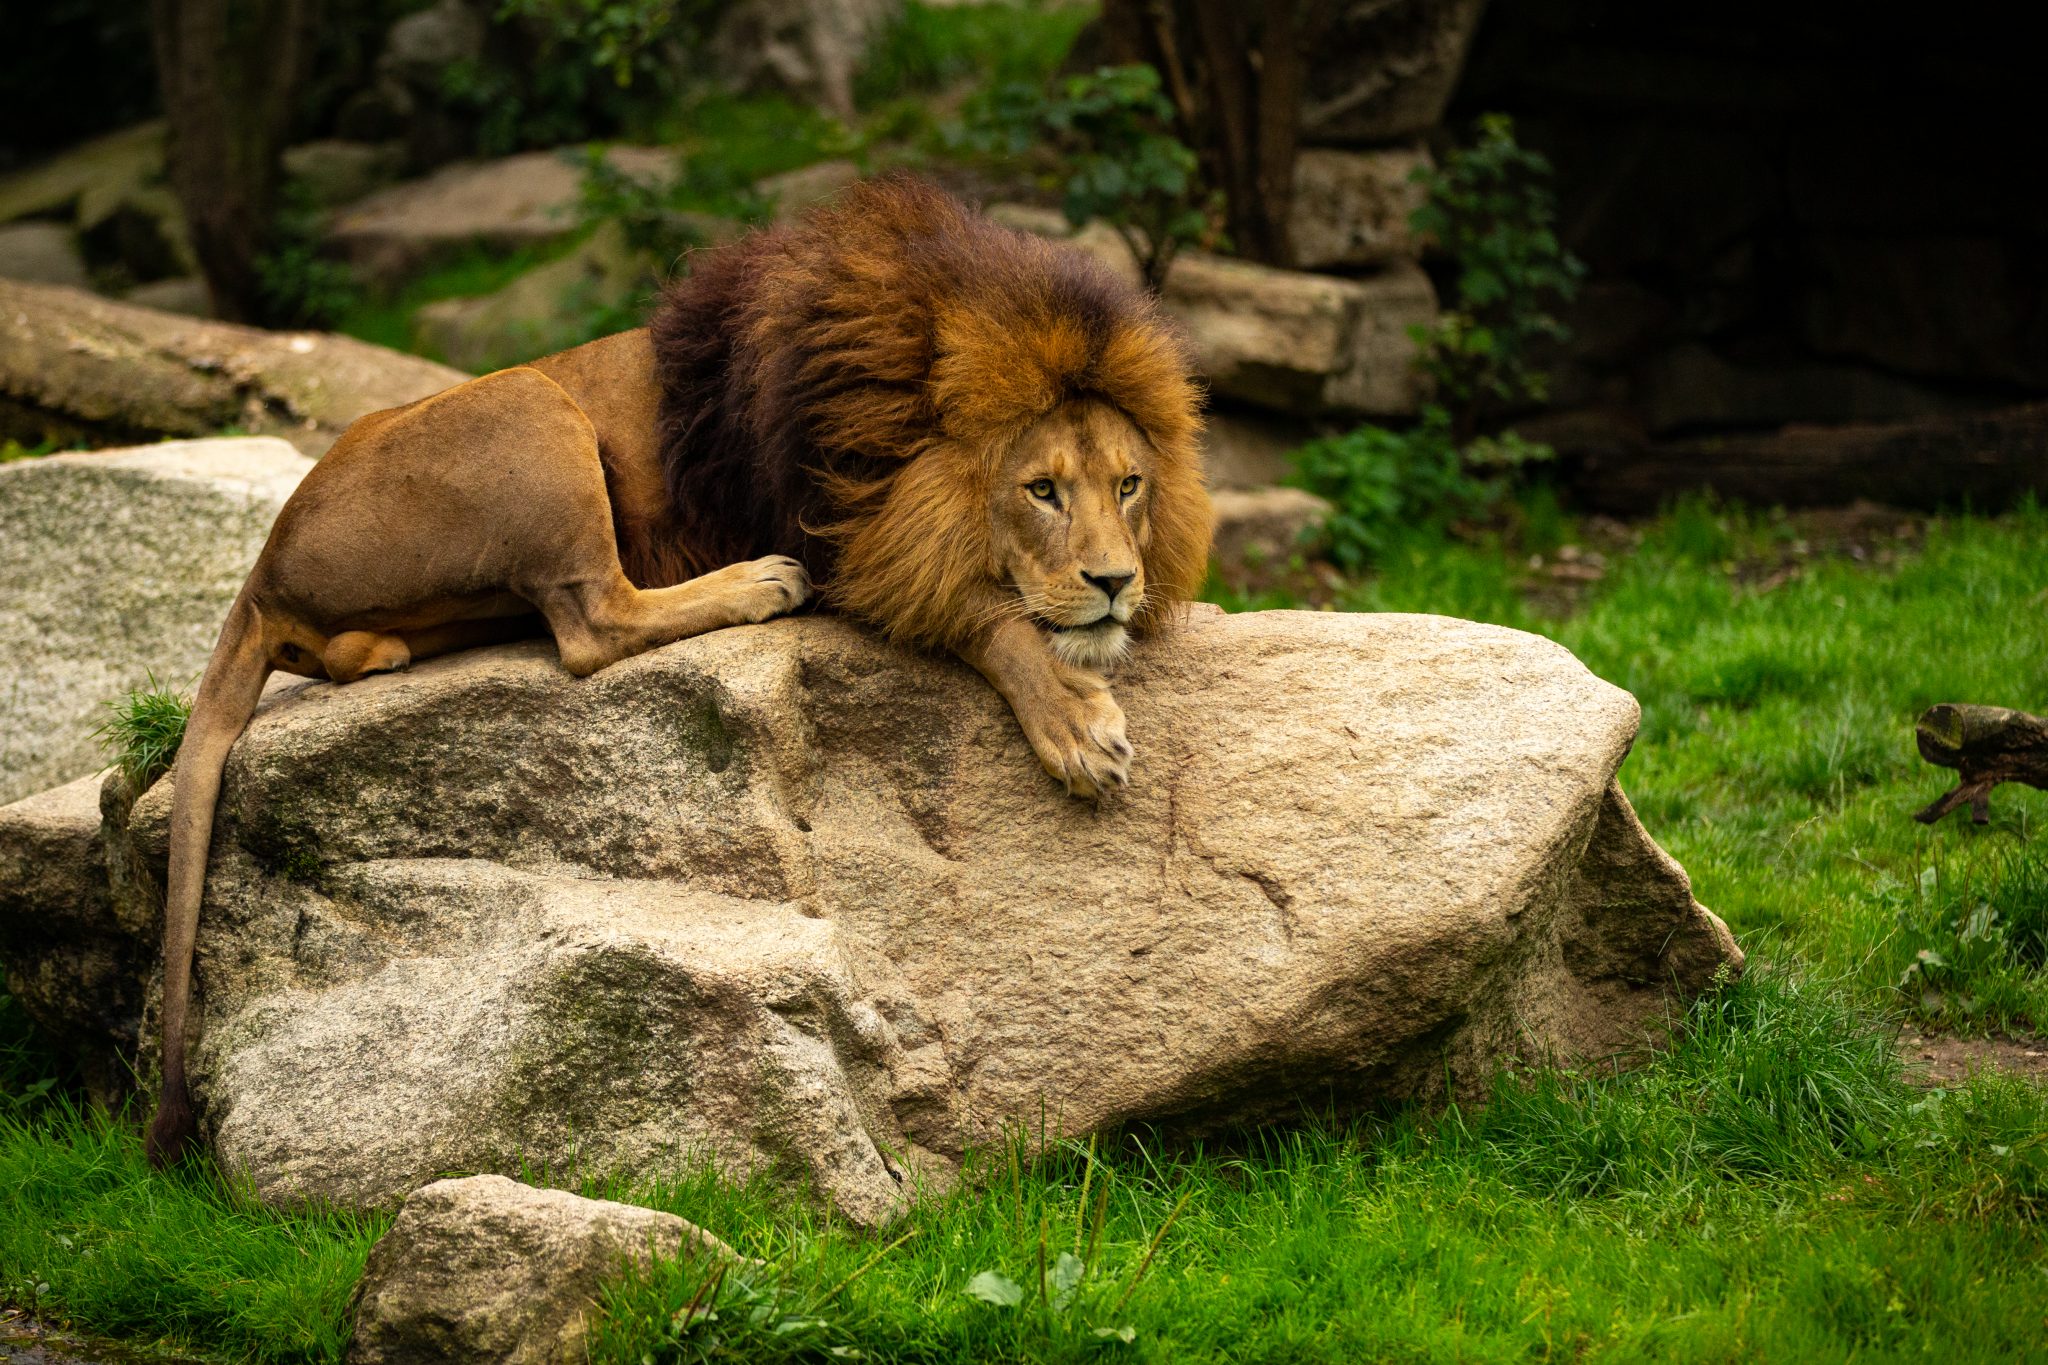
pixel 761 588
pixel 1079 737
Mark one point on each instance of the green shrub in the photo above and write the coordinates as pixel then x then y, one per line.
pixel 1977 927
pixel 302 286
pixel 1490 210
pixel 1114 157
pixel 560 71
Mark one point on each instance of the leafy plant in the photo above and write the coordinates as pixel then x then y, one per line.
pixel 1490 209
pixel 663 217
pixel 623 39
pixel 1979 932
pixel 560 71
pixel 143 733
pixel 1115 157
pixel 301 285
pixel 1067 1287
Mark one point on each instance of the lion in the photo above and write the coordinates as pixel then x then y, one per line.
pixel 970 438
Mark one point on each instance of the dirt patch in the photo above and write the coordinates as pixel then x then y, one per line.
pixel 25 1340
pixel 1943 1060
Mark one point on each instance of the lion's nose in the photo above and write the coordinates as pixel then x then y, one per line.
pixel 1110 583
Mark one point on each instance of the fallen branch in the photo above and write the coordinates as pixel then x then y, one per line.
pixel 1986 745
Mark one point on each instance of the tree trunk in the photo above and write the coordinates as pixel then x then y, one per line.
pixel 1986 745
pixel 1235 74
pixel 229 73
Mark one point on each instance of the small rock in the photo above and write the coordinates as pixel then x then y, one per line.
pixel 1384 71
pixel 807 49
pixel 1257 526
pixel 1246 448
pixel 420 46
pixel 182 294
pixel 543 310
pixel 512 202
pixel 334 171
pixel 42 253
pixel 1351 208
pixel 486 1271
pixel 1289 340
pixel 793 192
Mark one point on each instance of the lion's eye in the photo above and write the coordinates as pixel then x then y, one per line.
pixel 1040 488
pixel 1129 485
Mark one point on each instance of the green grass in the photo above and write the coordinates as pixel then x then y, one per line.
pixel 1770 1188
pixel 89 1234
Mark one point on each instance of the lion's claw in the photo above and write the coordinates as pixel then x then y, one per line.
pixel 1080 741
pixel 767 587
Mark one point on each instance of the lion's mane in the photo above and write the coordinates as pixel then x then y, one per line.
pixel 842 389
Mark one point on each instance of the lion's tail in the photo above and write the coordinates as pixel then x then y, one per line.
pixel 228 694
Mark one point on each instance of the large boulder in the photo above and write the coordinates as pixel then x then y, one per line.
pixel 86 370
pixel 786 898
pixel 486 1271
pixel 119 564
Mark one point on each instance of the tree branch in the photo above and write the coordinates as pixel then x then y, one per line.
pixel 1986 745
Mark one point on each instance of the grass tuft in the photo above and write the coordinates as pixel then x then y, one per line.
pixel 142 734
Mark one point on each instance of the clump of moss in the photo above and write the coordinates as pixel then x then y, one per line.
pixel 142 735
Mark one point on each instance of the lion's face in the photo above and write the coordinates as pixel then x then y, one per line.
pixel 1070 527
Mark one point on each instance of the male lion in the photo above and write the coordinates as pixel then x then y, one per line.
pixel 968 437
